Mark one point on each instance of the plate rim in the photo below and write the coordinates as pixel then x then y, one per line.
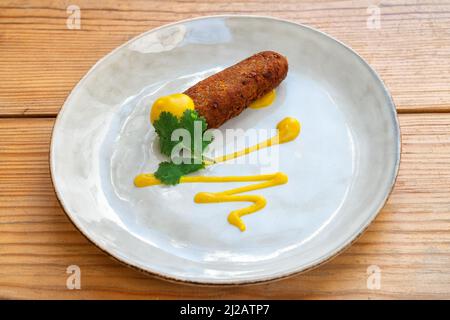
pixel 229 281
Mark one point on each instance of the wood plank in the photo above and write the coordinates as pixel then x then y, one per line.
pixel 41 60
pixel 409 240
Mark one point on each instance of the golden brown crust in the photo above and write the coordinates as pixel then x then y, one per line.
pixel 226 94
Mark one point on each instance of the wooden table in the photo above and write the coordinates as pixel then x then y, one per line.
pixel 41 60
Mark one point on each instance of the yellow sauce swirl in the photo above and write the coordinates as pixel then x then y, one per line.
pixel 231 195
pixel 259 202
pixel 288 129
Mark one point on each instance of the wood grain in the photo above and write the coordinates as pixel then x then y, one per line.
pixel 41 60
pixel 409 241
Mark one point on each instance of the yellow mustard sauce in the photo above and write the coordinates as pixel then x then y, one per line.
pixel 175 103
pixel 288 129
pixel 264 101
pixel 231 195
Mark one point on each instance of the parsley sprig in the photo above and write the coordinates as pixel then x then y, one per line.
pixel 168 172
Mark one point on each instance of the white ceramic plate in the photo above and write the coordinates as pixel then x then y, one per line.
pixel 341 169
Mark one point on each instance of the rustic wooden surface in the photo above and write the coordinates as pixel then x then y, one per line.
pixel 41 60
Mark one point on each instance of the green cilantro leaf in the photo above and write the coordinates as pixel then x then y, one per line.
pixel 168 172
pixel 164 127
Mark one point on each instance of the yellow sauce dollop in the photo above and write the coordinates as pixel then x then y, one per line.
pixel 288 129
pixel 264 101
pixel 175 103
